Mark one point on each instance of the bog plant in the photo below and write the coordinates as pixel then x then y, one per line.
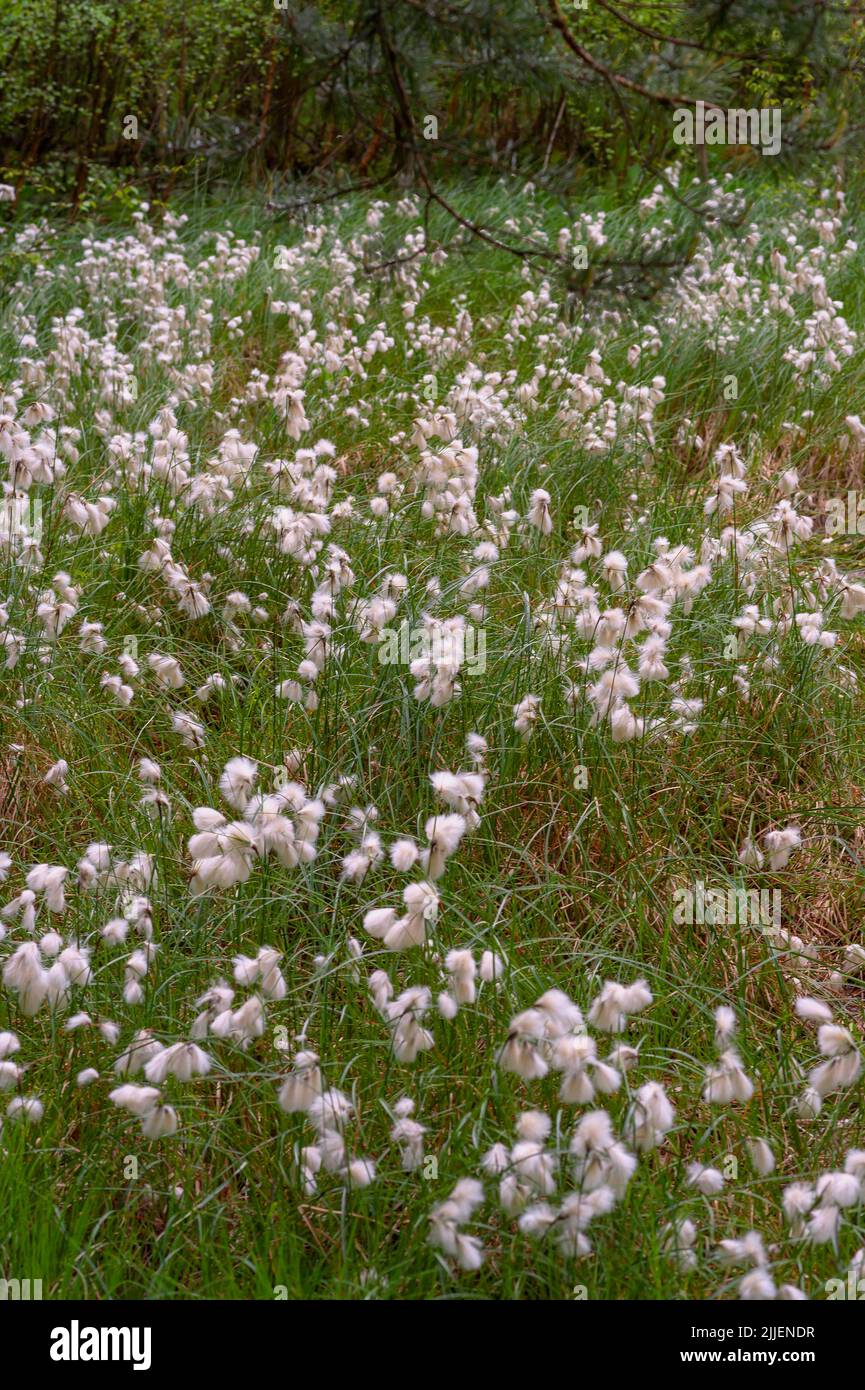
pixel 329 972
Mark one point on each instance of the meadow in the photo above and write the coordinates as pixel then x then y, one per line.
pixel 394 634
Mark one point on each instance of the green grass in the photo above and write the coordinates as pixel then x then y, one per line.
pixel 571 886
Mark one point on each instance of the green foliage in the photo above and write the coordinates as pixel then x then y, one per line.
pixel 572 885
pixel 218 85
